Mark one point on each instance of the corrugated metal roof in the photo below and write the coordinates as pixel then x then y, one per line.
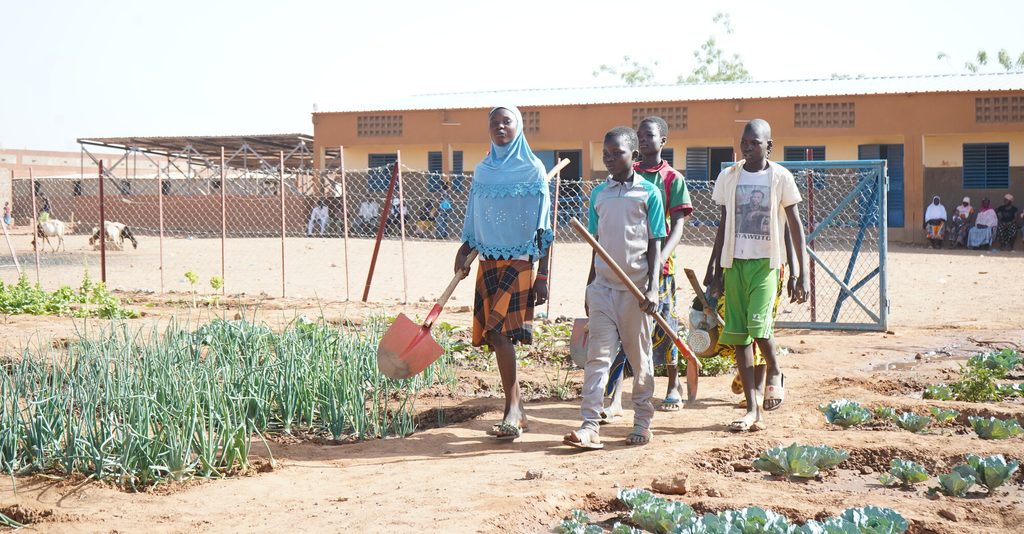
pixel 570 96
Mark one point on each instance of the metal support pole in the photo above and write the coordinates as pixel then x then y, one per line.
pixel 401 225
pixel 281 174
pixel 809 155
pixel 103 229
pixel 160 214
pixel 35 221
pixel 8 237
pixel 223 220
pixel 554 234
pixel 380 231
pixel 344 211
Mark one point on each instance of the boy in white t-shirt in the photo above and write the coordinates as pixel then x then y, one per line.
pixel 757 198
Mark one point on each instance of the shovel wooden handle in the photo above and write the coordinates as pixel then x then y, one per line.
pixel 582 231
pixel 443 299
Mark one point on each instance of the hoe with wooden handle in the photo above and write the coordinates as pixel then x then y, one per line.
pixel 693 365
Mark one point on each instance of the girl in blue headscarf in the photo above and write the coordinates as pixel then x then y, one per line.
pixel 508 222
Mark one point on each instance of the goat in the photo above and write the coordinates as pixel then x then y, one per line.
pixel 116 233
pixel 48 229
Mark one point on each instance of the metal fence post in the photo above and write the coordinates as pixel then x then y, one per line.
pixel 35 221
pixel 344 212
pixel 103 229
pixel 810 227
pixel 281 174
pixel 160 216
pixel 223 221
pixel 401 225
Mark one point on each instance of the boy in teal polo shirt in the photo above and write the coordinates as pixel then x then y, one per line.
pixel 758 200
pixel 628 220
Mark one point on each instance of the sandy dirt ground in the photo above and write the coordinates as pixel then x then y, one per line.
pixel 945 307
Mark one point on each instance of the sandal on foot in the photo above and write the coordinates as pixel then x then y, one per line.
pixel 495 429
pixel 639 436
pixel 671 404
pixel 583 439
pixel 774 393
pixel 508 432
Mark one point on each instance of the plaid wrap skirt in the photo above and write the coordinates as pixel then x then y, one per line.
pixel 504 301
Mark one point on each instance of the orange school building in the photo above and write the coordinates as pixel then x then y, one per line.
pixel 951 135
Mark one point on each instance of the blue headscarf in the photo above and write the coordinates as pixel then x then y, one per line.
pixel 509 211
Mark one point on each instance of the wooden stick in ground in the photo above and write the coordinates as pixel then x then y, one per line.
pixel 693 365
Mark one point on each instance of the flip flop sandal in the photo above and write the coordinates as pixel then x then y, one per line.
pixel 739 425
pixel 772 393
pixel 494 431
pixel 643 437
pixel 583 439
pixel 508 432
pixel 671 405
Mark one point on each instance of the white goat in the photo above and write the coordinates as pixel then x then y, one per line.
pixel 115 233
pixel 48 229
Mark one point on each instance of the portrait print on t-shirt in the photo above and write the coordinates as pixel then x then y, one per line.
pixel 753 216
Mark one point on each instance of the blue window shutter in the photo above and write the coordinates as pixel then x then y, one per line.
pixel 997 165
pixel 458 176
pixel 669 155
pixel 379 174
pixel 435 171
pixel 894 155
pixel 799 153
pixel 697 167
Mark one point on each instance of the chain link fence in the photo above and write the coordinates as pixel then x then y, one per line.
pixel 277 234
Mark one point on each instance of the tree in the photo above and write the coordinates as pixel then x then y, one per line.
pixel 631 71
pixel 713 64
pixel 1003 57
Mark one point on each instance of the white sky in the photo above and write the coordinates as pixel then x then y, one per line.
pixel 211 67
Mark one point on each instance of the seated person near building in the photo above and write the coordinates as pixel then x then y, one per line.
pixel 980 235
pixel 963 216
pixel 935 222
pixel 1006 229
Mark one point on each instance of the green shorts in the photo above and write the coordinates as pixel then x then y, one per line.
pixel 750 287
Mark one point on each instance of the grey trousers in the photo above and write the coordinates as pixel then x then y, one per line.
pixel 616 316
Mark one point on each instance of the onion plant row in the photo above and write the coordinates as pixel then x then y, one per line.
pixel 142 407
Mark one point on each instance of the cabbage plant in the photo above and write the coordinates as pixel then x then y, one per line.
pixel 943 416
pixel 578 523
pixel 804 461
pixel 954 484
pixel 845 413
pixel 913 422
pixel 905 472
pixel 885 413
pixel 992 428
pixel 1003 360
pixel 989 471
pixel 938 392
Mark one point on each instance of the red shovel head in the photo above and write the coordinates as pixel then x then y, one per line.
pixel 406 349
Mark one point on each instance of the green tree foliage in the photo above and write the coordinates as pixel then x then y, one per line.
pixel 631 71
pixel 713 64
pixel 1003 58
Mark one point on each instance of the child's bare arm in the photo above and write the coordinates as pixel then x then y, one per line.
pixel 792 260
pixel 796 233
pixel 650 303
pixel 672 241
pixel 713 277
